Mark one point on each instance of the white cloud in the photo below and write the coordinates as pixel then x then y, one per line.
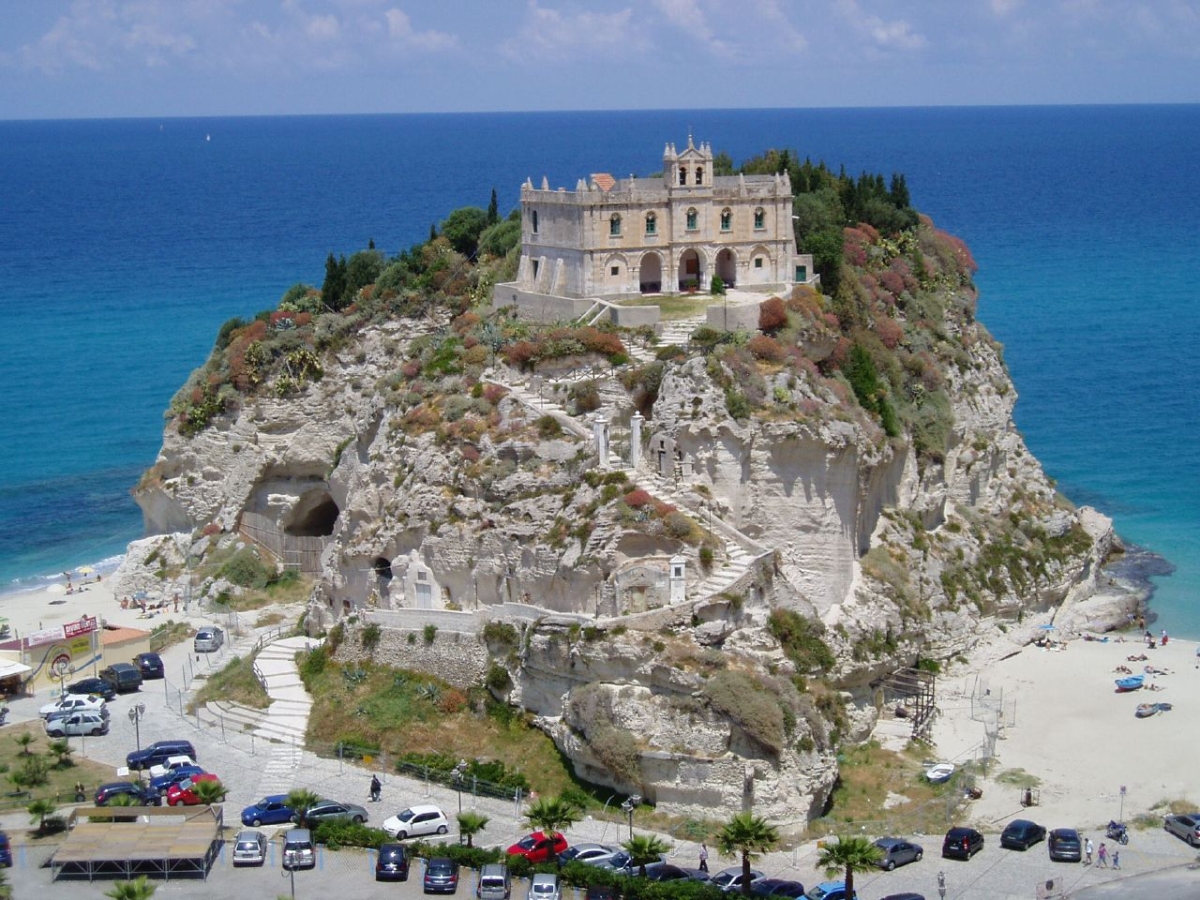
pixel 688 17
pixel 553 35
pixel 401 31
pixel 781 28
pixel 1004 7
pixel 884 36
pixel 323 28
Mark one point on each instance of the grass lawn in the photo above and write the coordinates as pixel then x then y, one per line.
pixel 395 712
pixel 237 683
pixel 60 779
pixel 675 306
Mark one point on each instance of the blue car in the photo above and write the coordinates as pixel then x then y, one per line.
pixel 162 782
pixel 272 810
pixel 5 850
pixel 829 890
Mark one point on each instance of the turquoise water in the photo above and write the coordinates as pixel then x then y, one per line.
pixel 124 245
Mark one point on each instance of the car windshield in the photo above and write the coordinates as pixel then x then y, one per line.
pixel 247 845
pixel 406 815
pixel 440 868
pixel 543 889
pixel 527 843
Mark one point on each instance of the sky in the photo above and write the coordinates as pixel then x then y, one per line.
pixel 132 58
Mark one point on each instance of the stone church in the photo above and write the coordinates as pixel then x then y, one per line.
pixel 615 239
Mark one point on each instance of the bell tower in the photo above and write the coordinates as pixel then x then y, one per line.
pixel 691 169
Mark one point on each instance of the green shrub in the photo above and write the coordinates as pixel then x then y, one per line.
pixel 370 636
pixel 338 833
pixel 245 569
pixel 749 704
pixel 801 640
pixel 548 427
pixel 430 633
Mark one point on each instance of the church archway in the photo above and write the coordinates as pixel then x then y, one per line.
pixel 727 267
pixel 650 274
pixel 691 271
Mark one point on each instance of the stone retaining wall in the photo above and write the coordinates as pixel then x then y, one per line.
pixel 458 659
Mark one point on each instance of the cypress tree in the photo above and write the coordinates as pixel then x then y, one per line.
pixel 493 210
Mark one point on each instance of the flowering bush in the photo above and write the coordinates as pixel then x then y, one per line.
pixel 772 316
pixel 637 498
pixel 766 348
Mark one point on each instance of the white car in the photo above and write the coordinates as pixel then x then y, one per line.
pixel 544 886
pixel 76 724
pixel 415 821
pixel 172 763
pixel 73 703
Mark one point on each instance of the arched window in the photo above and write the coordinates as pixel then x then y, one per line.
pixel 760 218
pixel 651 223
pixel 699 175
pixel 726 219
pixel 683 174
pixel 692 217
pixel 535 221
pixel 614 225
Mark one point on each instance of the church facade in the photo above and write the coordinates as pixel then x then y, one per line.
pixel 613 239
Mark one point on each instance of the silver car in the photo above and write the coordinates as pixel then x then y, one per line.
pixel 208 639
pixel 1186 826
pixel 250 848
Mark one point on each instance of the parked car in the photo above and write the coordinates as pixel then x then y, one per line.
pixel 588 853
pixel 270 810
pixel 97 686
pixel 777 887
pixel 163 782
pixel 170 764
pixel 961 843
pixel 905 895
pixel 416 821
pixel 829 890
pixel 1064 845
pixel 494 882
pixel 441 876
pixel 158 753
pixel 391 863
pixel 150 665
pixel 544 886
pixel 76 724
pixel 536 847
pixel 143 795
pixel 208 639
pixel 5 851
pixel 250 848
pixel 331 809
pixel 1021 834
pixel 620 862
pixel 1184 825
pixel 124 677
pixel 601 892
pixel 664 871
pixel 731 879
pixel 183 794
pixel 897 852
pixel 73 703
pixel 298 850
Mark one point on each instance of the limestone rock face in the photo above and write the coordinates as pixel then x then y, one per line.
pixel 464 503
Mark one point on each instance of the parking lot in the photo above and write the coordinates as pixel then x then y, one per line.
pixel 252 768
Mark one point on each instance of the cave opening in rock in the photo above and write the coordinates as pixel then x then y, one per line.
pixel 314 516
pixel 383 568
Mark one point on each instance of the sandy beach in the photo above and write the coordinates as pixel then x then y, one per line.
pixel 1060 719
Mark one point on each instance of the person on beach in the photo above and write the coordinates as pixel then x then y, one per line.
pixel 1164 637
pixel 1087 852
pixel 1102 856
pixel 704 857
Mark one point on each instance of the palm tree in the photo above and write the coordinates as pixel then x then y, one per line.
pixel 38 810
pixel 63 750
pixel 849 855
pixel 300 801
pixel 209 792
pixel 749 835
pixel 138 889
pixel 551 815
pixel 470 824
pixel 24 739
pixel 645 848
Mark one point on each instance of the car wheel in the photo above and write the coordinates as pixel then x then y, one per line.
pixel 401 835
pixel 442 829
pixel 95 732
pixel 178 802
pixel 891 865
pixel 917 858
pixel 358 820
pixel 256 823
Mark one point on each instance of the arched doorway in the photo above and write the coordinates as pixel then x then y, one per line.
pixel 727 267
pixel 691 271
pixel 650 274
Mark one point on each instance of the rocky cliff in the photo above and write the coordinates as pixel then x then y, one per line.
pixel 692 563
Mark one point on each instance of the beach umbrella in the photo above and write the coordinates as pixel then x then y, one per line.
pixel 140 595
pixel 85 570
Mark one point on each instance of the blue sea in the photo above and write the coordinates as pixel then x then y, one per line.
pixel 124 244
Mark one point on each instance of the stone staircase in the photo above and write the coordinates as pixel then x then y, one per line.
pixel 679 331
pixel 285 720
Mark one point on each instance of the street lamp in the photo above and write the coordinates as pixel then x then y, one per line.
pixel 459 771
pixel 64 673
pixel 628 807
pixel 135 716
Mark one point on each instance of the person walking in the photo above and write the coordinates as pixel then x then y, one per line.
pixel 376 788
pixel 1087 852
pixel 1116 857
pixel 1102 856
pixel 703 857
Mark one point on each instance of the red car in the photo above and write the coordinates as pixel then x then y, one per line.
pixel 182 794
pixel 537 847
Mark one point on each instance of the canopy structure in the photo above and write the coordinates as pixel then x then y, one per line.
pixel 160 843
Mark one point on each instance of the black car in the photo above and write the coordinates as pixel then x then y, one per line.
pixel 97 686
pixel 778 887
pixel 124 677
pixel 601 892
pixel 158 752
pixel 441 876
pixel 144 796
pixel 962 843
pixel 150 665
pixel 907 895
pixel 1064 845
pixel 392 863
pixel 1021 834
